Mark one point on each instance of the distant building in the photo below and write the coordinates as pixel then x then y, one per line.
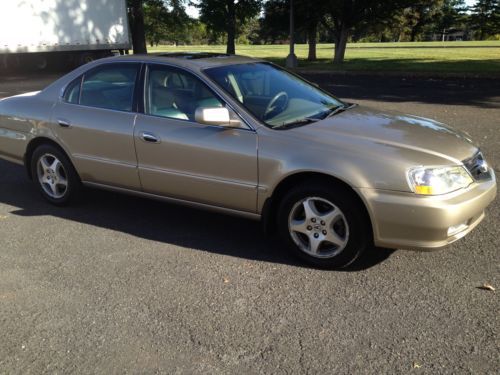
pixel 449 35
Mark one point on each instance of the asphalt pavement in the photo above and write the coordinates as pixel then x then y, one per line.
pixel 118 284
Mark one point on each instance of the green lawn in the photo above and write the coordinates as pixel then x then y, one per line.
pixel 481 58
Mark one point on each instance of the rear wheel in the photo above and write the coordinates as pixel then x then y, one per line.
pixel 54 175
pixel 86 57
pixel 323 224
pixel 40 62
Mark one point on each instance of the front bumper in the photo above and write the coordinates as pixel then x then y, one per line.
pixel 407 221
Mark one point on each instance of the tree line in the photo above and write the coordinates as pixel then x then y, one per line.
pixel 233 22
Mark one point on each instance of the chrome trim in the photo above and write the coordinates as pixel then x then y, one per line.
pixel 63 123
pixel 149 137
pixel 204 206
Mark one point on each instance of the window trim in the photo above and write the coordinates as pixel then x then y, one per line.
pixel 141 91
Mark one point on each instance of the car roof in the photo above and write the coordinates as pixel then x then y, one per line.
pixel 194 60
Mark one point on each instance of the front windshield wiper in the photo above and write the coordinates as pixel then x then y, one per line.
pixel 340 108
pixel 307 120
pixel 302 121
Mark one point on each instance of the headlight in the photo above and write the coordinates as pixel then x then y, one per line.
pixel 438 180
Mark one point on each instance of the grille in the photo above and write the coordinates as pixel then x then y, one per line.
pixel 478 167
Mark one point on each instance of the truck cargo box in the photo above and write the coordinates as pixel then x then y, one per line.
pixel 63 25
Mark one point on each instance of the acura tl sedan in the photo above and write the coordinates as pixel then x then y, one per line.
pixel 245 137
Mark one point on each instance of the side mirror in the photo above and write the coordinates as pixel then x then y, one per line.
pixel 216 116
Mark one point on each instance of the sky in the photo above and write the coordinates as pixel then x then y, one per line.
pixel 193 12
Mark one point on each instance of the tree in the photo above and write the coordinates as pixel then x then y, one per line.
pixel 156 21
pixel 451 15
pixel 345 15
pixel 249 33
pixel 485 18
pixel 196 32
pixel 419 14
pixel 275 25
pixel 137 25
pixel 309 14
pixel 228 16
pixel 155 17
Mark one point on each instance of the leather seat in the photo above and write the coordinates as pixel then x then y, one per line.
pixel 162 102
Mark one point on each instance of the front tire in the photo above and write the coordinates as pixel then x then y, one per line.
pixel 324 225
pixel 54 175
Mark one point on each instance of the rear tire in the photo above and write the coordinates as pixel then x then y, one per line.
pixel 54 175
pixel 324 224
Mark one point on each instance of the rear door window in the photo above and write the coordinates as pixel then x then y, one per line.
pixel 110 86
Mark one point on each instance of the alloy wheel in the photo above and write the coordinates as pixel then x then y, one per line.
pixel 318 227
pixel 52 176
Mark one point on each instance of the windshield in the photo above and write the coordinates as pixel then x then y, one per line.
pixel 273 95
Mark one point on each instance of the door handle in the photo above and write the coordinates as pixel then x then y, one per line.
pixel 63 123
pixel 149 137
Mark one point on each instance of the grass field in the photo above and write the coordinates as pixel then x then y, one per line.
pixel 482 58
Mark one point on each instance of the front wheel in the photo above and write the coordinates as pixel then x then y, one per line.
pixel 54 175
pixel 324 225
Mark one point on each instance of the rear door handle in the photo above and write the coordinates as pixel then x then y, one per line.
pixel 63 123
pixel 149 137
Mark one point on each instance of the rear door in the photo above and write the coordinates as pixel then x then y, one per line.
pixel 183 159
pixel 95 122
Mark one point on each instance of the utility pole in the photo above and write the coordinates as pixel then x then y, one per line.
pixel 291 59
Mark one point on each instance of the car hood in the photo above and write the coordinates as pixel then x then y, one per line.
pixel 395 129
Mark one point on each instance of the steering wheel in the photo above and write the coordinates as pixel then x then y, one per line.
pixel 277 104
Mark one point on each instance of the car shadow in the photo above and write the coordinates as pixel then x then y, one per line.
pixel 161 222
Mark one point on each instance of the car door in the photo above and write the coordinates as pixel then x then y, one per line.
pixel 95 121
pixel 183 159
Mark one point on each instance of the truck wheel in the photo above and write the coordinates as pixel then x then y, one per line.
pixel 86 57
pixel 40 62
pixel 55 176
pixel 324 225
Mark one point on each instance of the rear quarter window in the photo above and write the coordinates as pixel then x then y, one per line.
pixel 72 93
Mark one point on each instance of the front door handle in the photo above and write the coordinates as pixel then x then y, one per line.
pixel 149 137
pixel 63 123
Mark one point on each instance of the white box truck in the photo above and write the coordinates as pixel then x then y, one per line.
pixel 37 33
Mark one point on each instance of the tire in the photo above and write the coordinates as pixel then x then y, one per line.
pixel 40 63
pixel 86 57
pixel 334 231
pixel 55 176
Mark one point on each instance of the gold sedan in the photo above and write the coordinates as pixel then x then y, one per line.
pixel 245 137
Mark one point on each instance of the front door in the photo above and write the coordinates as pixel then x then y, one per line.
pixel 183 159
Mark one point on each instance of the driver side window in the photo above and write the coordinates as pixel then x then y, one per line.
pixel 174 93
